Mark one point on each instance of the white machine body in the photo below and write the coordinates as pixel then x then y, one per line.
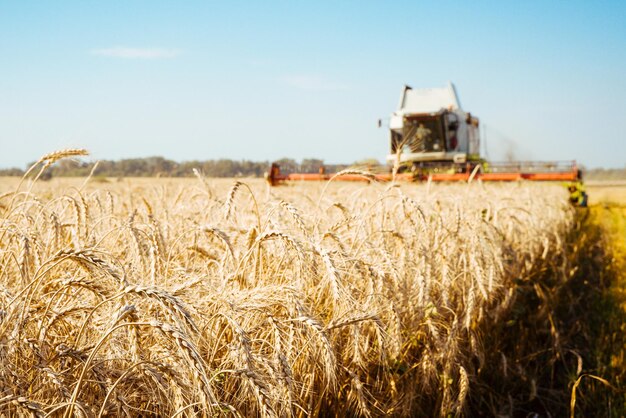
pixel 431 126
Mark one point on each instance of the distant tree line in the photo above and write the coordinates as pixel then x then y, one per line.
pixel 161 167
pixel 605 174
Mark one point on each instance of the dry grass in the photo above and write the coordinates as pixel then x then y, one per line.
pixel 607 192
pixel 164 297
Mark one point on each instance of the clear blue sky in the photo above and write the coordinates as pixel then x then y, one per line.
pixel 265 80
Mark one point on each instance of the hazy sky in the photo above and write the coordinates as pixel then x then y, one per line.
pixel 264 80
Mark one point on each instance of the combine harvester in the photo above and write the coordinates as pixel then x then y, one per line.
pixel 433 139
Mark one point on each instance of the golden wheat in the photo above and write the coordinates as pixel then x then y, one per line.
pixel 332 298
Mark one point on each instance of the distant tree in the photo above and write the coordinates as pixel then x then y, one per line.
pixel 287 165
pixel 311 165
pixel 605 174
pixel 159 166
pixel 373 162
pixel 11 172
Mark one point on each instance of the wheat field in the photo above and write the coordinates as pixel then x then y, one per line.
pixel 163 297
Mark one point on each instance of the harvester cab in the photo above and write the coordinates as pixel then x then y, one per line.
pixel 430 129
